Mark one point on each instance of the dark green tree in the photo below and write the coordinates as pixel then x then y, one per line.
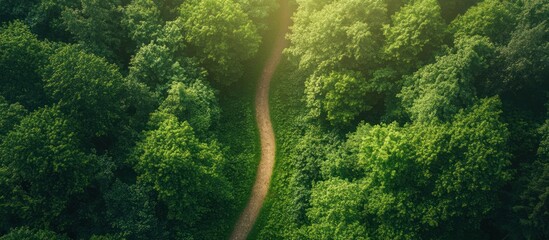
pixel 533 204
pixel 131 212
pixel 45 19
pixel 21 57
pixel 86 88
pixel 97 25
pixel 11 116
pixel 25 233
pixel 15 9
pixel 41 168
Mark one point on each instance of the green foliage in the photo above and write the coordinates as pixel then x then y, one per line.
pixel 433 180
pixel 525 57
pixel 308 156
pixel 195 104
pixel 173 161
pixel 21 56
pixel 339 96
pixel 97 26
pixel 416 31
pixel 453 8
pixel 490 18
pixel 45 19
pixel 222 35
pixel 154 65
pixel 89 160
pixel 345 33
pixel 15 9
pixel 258 10
pixel 11 116
pixel 336 211
pixel 169 9
pixel 131 212
pixel 142 18
pixel 25 233
pixel 534 203
pixel 42 167
pixel 437 91
pixel 86 87
pixel 172 37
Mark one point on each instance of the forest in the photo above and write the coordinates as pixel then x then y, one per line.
pixel 393 119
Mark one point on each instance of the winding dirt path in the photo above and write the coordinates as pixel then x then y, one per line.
pixel 268 148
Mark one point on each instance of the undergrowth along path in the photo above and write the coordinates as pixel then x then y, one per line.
pixel 268 146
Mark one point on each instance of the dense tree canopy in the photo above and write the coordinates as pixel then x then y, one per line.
pixel 21 57
pixel 143 20
pixel 451 94
pixel 394 119
pixel 417 30
pixel 222 34
pixel 173 161
pixel 83 85
pixel 338 95
pixel 98 26
pixel 95 98
pixel 42 167
pixel 439 90
pixel 355 33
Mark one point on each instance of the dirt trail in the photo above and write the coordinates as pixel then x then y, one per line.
pixel 268 148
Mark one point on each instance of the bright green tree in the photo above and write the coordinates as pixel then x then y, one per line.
pixel 338 97
pixel 222 35
pixel 345 33
pixel 258 10
pixel 142 19
pixel 313 149
pixel 154 66
pixel 434 181
pixel 336 211
pixel 490 18
pixel 437 91
pixel 184 171
pixel 196 104
pixel 416 31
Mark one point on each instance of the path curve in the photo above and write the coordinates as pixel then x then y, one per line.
pixel 268 148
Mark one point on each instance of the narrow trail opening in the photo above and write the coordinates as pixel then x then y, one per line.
pixel 268 148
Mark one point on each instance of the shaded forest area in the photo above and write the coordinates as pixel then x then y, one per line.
pixel 110 117
pixel 418 119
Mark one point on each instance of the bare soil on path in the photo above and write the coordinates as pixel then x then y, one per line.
pixel 268 147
